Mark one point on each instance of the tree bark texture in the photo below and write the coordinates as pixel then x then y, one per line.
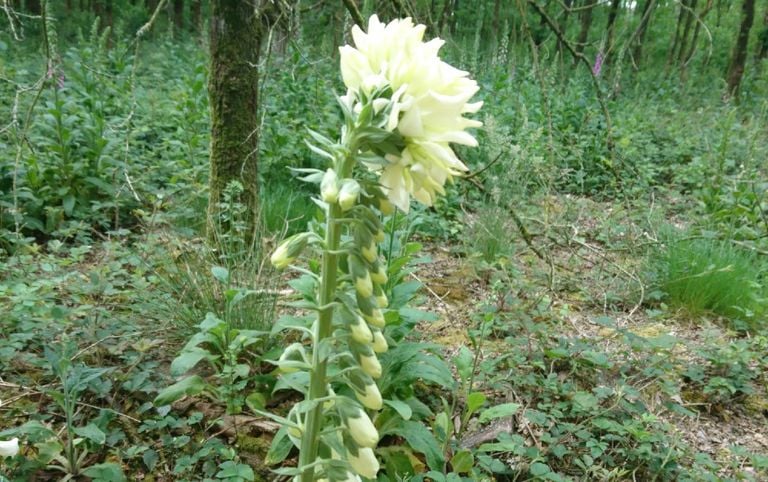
pixel 642 29
pixel 586 23
pixel 235 42
pixel 178 14
pixel 611 25
pixel 739 57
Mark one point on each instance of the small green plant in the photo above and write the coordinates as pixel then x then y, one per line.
pixel 228 350
pixel 710 275
pixel 197 293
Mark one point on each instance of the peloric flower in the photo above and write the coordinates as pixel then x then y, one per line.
pixel 428 100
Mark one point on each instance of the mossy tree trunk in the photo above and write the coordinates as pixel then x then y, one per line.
pixel 235 41
pixel 739 57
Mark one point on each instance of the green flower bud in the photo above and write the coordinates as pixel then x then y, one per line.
pixel 370 365
pixel 364 286
pixel 364 463
pixel 361 276
pixel 379 342
pixel 376 318
pixel 381 300
pixel 362 431
pixel 289 249
pixel 348 194
pixel 369 252
pixel 360 331
pixel 379 274
pixel 329 187
pixel 371 397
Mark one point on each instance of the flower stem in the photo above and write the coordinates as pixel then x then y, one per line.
pixel 318 382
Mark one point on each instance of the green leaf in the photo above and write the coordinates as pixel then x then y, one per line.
pixel 106 472
pixel 220 273
pixel 475 400
pixel 187 360
pixel 421 439
pixel 92 433
pixel 190 386
pixel 402 408
pixel 280 448
pixel 68 203
pixel 585 400
pixel 538 469
pixel 230 469
pixel 462 461
pixel 499 411
pixel 463 361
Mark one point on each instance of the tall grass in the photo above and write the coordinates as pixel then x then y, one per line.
pixel 709 275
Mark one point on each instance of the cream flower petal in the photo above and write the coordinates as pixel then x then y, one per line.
pixel 426 108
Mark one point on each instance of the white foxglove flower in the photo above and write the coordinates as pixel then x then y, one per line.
pixel 362 430
pixel 9 448
pixel 364 463
pixel 427 105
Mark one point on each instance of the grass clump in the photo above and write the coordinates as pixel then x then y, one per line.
pixel 710 275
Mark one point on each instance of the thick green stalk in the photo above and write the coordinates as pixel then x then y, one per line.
pixel 318 382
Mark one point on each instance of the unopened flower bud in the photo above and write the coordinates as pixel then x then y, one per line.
pixel 369 252
pixel 376 318
pixel 379 342
pixel 329 187
pixel 371 397
pixel 364 463
pixel 288 250
pixel 381 300
pixel 364 286
pixel 360 331
pixel 379 274
pixel 362 431
pixel 348 194
pixel 370 365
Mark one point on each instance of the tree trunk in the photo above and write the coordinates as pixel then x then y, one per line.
pixel 196 15
pixel 586 23
pixel 762 46
pixel 739 57
pixel 678 29
pixel 641 30
pixel 235 43
pixel 690 15
pixel 563 25
pixel 697 30
pixel 611 25
pixel 178 14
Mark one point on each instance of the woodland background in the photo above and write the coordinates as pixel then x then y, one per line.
pixel 588 304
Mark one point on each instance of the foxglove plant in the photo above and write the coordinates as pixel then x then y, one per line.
pixel 403 108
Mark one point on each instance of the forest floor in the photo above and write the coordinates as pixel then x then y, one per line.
pixel 571 278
